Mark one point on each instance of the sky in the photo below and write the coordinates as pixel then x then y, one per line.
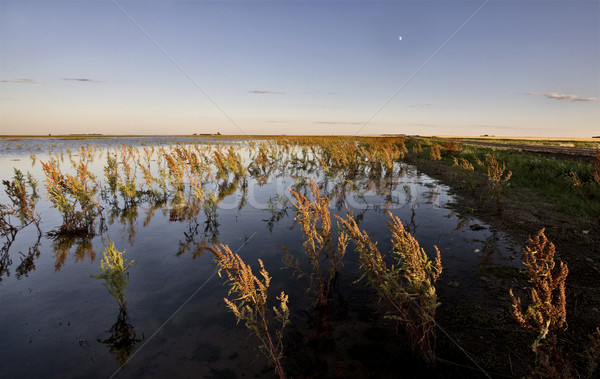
pixel 496 67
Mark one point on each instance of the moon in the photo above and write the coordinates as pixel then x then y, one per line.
pixel 400 38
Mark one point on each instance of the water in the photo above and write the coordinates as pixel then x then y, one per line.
pixel 57 320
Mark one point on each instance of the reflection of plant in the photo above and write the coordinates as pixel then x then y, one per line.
pixel 409 285
pixel 122 340
pixel 277 207
pixel 28 260
pixel 212 217
pixel 251 304
pixel 114 273
pixel 22 194
pixel 63 243
pixel 316 224
pixel 546 314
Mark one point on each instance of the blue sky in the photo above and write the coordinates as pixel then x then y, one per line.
pixel 520 68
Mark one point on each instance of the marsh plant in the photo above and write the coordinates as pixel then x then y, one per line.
pixel 115 273
pixel 74 196
pixel 22 196
pixel 546 312
pixel 319 245
pixel 408 285
pixel 498 177
pixel 18 213
pixel 250 303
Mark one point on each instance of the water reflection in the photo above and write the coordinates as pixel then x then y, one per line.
pixel 211 229
pixel 28 260
pixel 18 213
pixel 62 245
pixel 122 338
pixel 188 198
pixel 190 243
pixel 115 276
pixel 278 207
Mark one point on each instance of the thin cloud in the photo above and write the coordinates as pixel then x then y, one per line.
pixel 419 105
pixel 82 80
pixel 263 92
pixel 21 81
pixel 337 123
pixel 562 96
pixel 587 99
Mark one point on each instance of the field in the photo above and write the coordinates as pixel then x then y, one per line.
pixel 298 256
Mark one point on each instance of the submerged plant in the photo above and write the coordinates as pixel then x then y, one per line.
pixel 74 196
pixel 22 194
pixel 114 273
pixel 319 246
pixel 408 285
pixel 250 305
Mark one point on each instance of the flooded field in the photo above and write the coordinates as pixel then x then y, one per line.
pixel 163 202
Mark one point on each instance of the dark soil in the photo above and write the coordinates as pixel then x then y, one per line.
pixel 493 332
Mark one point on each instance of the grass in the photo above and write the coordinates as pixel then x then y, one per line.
pixel 550 179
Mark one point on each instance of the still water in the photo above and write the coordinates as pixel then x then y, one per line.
pixel 57 320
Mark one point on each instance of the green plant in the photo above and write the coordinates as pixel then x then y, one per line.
pixel 250 305
pixel 408 285
pixel 115 273
pixel 74 196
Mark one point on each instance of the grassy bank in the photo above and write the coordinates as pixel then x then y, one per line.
pixel 567 187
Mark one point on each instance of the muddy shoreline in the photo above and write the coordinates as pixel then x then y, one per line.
pixel 577 243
